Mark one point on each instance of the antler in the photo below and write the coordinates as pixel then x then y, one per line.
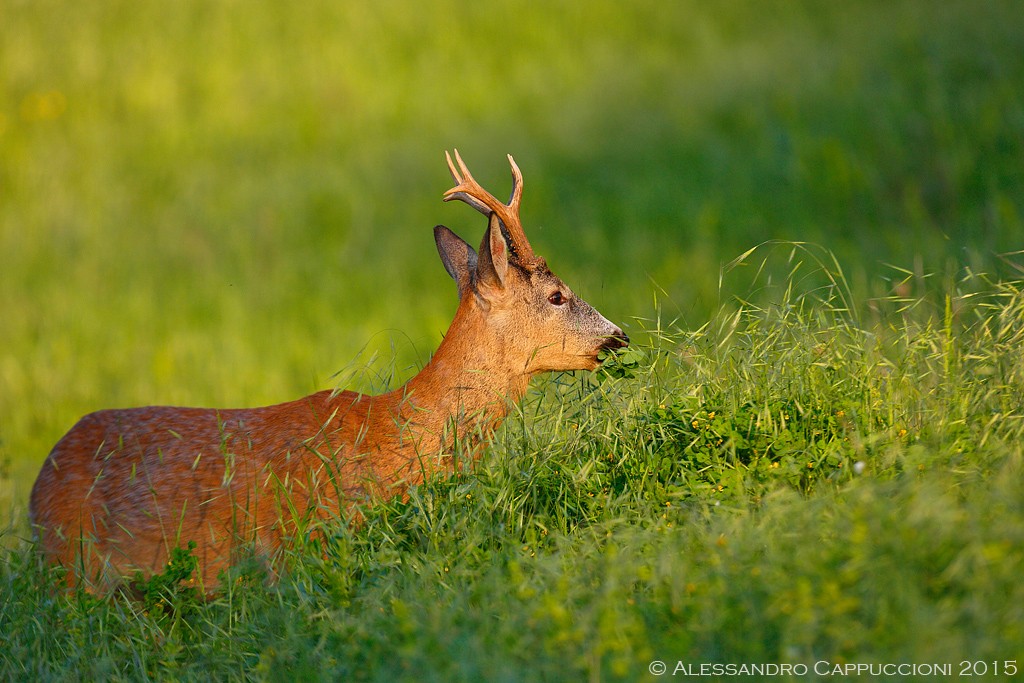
pixel 468 190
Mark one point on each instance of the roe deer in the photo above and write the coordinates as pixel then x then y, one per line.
pixel 124 487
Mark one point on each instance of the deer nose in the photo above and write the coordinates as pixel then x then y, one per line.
pixel 616 340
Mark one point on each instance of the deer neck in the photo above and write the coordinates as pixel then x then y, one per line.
pixel 469 384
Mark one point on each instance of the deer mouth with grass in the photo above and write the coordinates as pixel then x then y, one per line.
pixel 125 487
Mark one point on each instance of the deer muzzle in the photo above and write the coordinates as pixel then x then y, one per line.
pixel 616 340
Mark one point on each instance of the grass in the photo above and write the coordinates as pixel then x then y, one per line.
pixel 809 453
pixel 782 485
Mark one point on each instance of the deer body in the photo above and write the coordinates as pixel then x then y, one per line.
pixel 124 487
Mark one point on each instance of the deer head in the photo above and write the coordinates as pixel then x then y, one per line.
pixel 521 307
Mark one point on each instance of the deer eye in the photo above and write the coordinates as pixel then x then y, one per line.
pixel 556 299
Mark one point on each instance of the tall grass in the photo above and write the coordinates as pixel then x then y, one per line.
pixel 786 484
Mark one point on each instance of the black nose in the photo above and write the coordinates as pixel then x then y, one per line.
pixel 619 340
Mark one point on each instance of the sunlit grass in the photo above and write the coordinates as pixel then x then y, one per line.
pixel 811 450
pixel 784 484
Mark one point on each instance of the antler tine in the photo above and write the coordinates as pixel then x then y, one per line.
pixel 464 184
pixel 463 168
pixel 468 190
pixel 517 185
pixel 451 167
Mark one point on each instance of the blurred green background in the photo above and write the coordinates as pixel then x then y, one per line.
pixel 226 203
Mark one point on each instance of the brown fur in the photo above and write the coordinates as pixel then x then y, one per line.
pixel 124 487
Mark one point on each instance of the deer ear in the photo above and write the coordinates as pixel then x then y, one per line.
pixel 493 254
pixel 458 257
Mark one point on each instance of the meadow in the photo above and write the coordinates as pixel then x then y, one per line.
pixel 807 216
